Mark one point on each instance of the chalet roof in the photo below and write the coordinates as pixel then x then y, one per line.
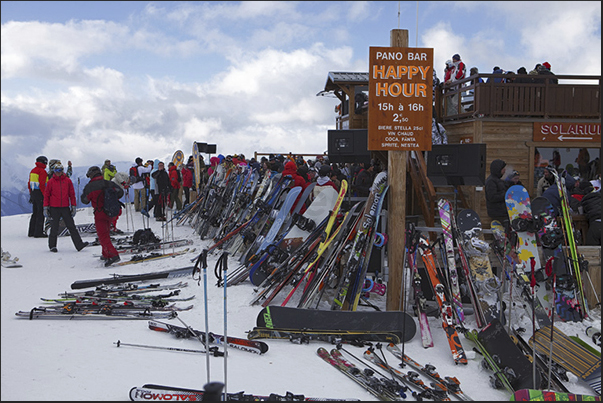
pixel 337 78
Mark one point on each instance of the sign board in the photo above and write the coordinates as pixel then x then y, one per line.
pixel 567 132
pixel 400 99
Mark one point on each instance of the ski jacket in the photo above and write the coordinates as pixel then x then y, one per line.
pixel 93 192
pixel 591 202
pixel 291 170
pixel 174 182
pixel 141 170
pixel 108 171
pixel 59 192
pixel 187 177
pixel 363 183
pixel 458 71
pixel 38 177
pixel 162 181
pixel 322 183
pixel 496 189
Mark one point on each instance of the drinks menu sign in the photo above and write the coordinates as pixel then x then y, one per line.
pixel 400 99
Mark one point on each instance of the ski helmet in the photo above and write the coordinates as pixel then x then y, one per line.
pixel 42 159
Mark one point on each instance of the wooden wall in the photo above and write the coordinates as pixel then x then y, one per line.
pixel 505 140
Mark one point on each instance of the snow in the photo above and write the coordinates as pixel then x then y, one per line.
pixel 78 359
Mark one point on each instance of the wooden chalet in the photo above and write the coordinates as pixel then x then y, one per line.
pixel 520 123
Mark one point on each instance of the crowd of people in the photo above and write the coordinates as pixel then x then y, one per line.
pixel 583 195
pixel 157 188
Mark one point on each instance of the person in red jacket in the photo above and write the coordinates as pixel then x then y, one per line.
pixel 291 170
pixel 59 202
pixel 37 186
pixel 175 181
pixel 187 183
pixel 93 192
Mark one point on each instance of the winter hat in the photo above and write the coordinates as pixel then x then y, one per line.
pixel 324 170
pixel 456 57
pixel 93 171
pixel 547 65
pixel 138 160
pixel 42 159
pixel 449 63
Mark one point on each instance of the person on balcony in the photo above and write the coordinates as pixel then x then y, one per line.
pixel 457 72
pixel 545 70
pixel 523 80
pixel 497 70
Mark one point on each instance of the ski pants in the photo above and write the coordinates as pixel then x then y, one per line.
pixel 36 222
pixel 56 213
pixel 103 231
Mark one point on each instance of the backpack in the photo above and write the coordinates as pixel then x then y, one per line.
pixel 112 206
pixel 144 237
pixel 134 176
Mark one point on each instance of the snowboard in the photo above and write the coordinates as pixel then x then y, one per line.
pixel 522 222
pixel 317 212
pixel 498 343
pixel 488 285
pixel 396 322
pixel 570 355
pixel 527 395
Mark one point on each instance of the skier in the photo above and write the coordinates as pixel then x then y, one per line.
pixel 495 190
pixel 162 180
pixel 59 202
pixel 93 192
pixel 591 203
pixel 37 186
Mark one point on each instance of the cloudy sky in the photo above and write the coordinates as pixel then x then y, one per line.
pixel 86 81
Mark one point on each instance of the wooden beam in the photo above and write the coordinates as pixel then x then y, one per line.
pixel 396 170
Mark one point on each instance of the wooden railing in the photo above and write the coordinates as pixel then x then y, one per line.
pixel 573 97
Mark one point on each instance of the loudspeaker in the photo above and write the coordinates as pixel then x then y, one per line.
pixel 457 164
pixel 348 146
pixel 211 149
pixel 202 147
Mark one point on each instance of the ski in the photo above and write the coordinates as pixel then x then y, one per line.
pixel 357 377
pixel 411 378
pixel 124 290
pixel 150 392
pixel 451 384
pixel 41 313
pixel 257 347
pixel 446 310
pixel 152 256
pixel 300 336
pixel 127 278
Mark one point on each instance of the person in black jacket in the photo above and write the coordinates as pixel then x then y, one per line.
pixel 162 180
pixel 364 181
pixel 495 190
pixel 591 203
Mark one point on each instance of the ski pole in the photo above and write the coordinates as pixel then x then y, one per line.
pixel 185 350
pixel 204 260
pixel 533 284
pixel 551 341
pixel 225 267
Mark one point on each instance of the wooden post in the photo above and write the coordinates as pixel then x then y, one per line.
pixel 396 223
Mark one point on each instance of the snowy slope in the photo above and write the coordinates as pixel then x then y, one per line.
pixel 78 360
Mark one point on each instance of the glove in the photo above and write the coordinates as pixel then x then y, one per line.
pixel 47 212
pixel 73 211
